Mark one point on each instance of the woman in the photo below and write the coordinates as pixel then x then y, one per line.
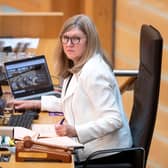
pixel 90 97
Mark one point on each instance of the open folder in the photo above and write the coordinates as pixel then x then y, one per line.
pixel 45 133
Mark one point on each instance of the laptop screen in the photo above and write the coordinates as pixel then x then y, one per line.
pixel 28 76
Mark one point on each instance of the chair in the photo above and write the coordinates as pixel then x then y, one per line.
pixel 144 110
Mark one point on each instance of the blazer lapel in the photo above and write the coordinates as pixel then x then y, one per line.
pixel 69 87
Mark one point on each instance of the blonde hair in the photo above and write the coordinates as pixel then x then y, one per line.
pixel 64 66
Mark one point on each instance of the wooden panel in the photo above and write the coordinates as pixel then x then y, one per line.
pixel 158 153
pixel 47 47
pixel 28 5
pixel 121 63
pixel 155 4
pixel 161 124
pixel 133 15
pixel 101 13
pixel 31 24
pixel 69 7
pixel 165 59
pixel 127 46
pixel 163 91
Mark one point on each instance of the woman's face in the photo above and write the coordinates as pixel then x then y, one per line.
pixel 74 44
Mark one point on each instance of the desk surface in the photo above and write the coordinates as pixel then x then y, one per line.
pixel 44 117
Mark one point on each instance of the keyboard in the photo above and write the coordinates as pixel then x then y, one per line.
pixel 2 105
pixel 21 120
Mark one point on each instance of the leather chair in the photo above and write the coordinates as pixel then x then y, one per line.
pixel 144 110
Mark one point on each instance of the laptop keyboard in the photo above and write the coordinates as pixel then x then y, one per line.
pixel 21 120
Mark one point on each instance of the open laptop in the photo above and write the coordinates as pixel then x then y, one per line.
pixel 29 78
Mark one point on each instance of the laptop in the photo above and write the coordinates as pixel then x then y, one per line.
pixel 29 78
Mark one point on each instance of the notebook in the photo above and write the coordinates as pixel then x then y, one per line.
pixel 29 78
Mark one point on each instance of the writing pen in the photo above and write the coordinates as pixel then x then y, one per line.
pixel 62 121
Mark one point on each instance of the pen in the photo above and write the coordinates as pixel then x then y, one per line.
pixel 61 122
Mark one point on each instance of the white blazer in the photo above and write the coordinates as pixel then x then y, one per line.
pixel 92 104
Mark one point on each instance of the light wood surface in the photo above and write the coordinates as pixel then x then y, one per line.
pixel 31 24
pixel 13 164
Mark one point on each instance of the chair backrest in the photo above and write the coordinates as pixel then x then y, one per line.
pixel 147 86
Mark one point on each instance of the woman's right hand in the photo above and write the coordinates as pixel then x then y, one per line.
pixel 25 104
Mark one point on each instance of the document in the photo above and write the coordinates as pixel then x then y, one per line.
pixel 46 134
pixel 21 132
pixel 61 141
pixel 44 130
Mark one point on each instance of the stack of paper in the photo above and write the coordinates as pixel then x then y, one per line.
pixel 45 133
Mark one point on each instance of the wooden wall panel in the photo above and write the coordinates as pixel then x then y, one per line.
pixel 30 24
pixel 28 5
pixel 161 124
pixel 47 48
pixel 130 15
pixel 140 13
pixel 69 7
pixel 159 5
pixel 163 89
pixel 158 156
pixel 126 47
pixel 122 63
pixel 101 13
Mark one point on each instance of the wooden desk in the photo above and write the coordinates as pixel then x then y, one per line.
pixel 43 118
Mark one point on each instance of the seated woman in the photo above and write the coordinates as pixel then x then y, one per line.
pixel 90 98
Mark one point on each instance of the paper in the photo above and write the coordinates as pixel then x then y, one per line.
pixel 61 141
pixel 44 130
pixel 21 132
pixel 45 133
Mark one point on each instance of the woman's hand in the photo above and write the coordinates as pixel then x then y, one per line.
pixel 65 130
pixel 25 104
